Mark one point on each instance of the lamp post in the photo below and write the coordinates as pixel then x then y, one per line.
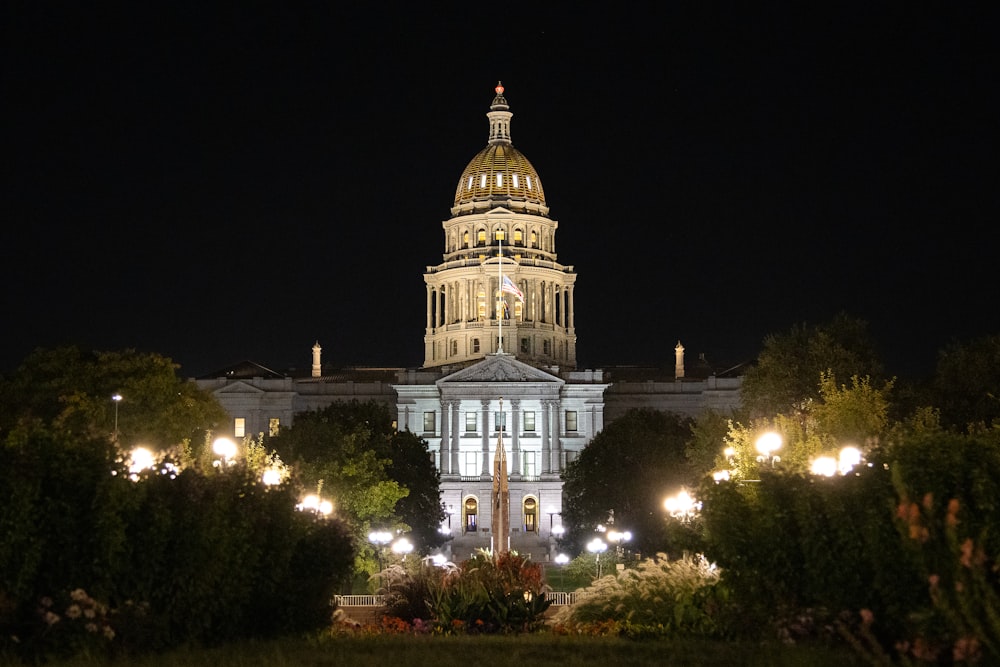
pixel 226 449
pixel 766 445
pixel 379 538
pixel 117 399
pixel 597 546
pixel 618 537
pixel 402 546
pixel 682 506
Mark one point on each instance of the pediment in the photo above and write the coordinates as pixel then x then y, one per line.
pixel 238 387
pixel 500 368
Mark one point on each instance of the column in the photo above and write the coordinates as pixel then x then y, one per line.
pixel 445 446
pixel 572 308
pixel 546 435
pixel 455 415
pixel 515 438
pixel 485 468
pixel 430 299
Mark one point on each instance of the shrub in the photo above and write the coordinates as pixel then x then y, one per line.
pixel 661 597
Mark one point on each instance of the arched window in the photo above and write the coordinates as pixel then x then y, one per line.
pixel 454 348
pixel 465 239
pixel 530 515
pixel 481 237
pixel 471 511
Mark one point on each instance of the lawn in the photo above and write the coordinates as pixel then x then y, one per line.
pixel 407 651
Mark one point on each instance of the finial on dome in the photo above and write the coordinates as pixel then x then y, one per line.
pixel 499 88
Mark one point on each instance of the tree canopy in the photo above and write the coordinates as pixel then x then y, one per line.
pixel 626 472
pixel 378 478
pixel 788 368
pixel 71 388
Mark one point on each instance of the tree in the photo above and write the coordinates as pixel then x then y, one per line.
pixel 70 388
pixel 966 383
pixel 787 372
pixel 625 473
pixel 377 478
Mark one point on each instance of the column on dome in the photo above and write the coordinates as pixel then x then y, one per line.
pixel 430 300
pixel 572 308
pixel 515 439
pixel 485 467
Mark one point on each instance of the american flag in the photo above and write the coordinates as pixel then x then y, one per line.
pixel 509 287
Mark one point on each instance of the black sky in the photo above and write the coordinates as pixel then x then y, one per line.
pixel 225 184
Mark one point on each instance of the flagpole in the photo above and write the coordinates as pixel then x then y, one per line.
pixel 500 287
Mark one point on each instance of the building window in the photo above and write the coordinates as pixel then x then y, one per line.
pixel 530 515
pixel 471 513
pixel 470 422
pixel 468 185
pixel 546 347
pixel 273 424
pixel 571 420
pixel 499 421
pixel 475 345
pixel 465 239
pixel 470 464
pixel 529 421
pixel 481 237
pixel 514 176
pixel 525 345
pixel 499 180
pixel 518 237
pixel 534 239
pixel 530 464
pixel 454 348
pixel 528 181
pixel 430 423
pixel 240 427
pixel 482 181
pixel 498 235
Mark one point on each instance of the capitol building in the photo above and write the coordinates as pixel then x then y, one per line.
pixel 499 362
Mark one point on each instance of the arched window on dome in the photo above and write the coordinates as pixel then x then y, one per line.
pixel 482 181
pixel 465 239
pixel 468 185
pixel 499 180
pixel 481 237
pixel 454 348
pixel 527 179
pixel 518 237
pixel 533 242
pixel 514 180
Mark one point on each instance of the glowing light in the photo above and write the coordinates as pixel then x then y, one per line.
pixel 682 506
pixel 825 466
pixel 271 477
pixel 225 448
pixel 141 459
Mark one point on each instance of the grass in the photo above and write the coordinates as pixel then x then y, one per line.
pixel 524 650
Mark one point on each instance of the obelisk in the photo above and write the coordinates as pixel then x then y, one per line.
pixel 501 494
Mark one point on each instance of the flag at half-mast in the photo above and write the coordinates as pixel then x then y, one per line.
pixel 509 287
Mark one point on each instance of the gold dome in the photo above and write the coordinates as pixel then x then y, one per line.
pixel 499 175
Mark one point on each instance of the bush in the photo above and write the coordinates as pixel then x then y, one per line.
pixel 659 597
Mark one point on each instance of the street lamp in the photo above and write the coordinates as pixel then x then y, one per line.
pixel 401 547
pixel 766 445
pixel 117 399
pixel 225 448
pixel 379 538
pixel 682 506
pixel 619 537
pixel 597 546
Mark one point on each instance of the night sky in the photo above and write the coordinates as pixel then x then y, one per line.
pixel 217 185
